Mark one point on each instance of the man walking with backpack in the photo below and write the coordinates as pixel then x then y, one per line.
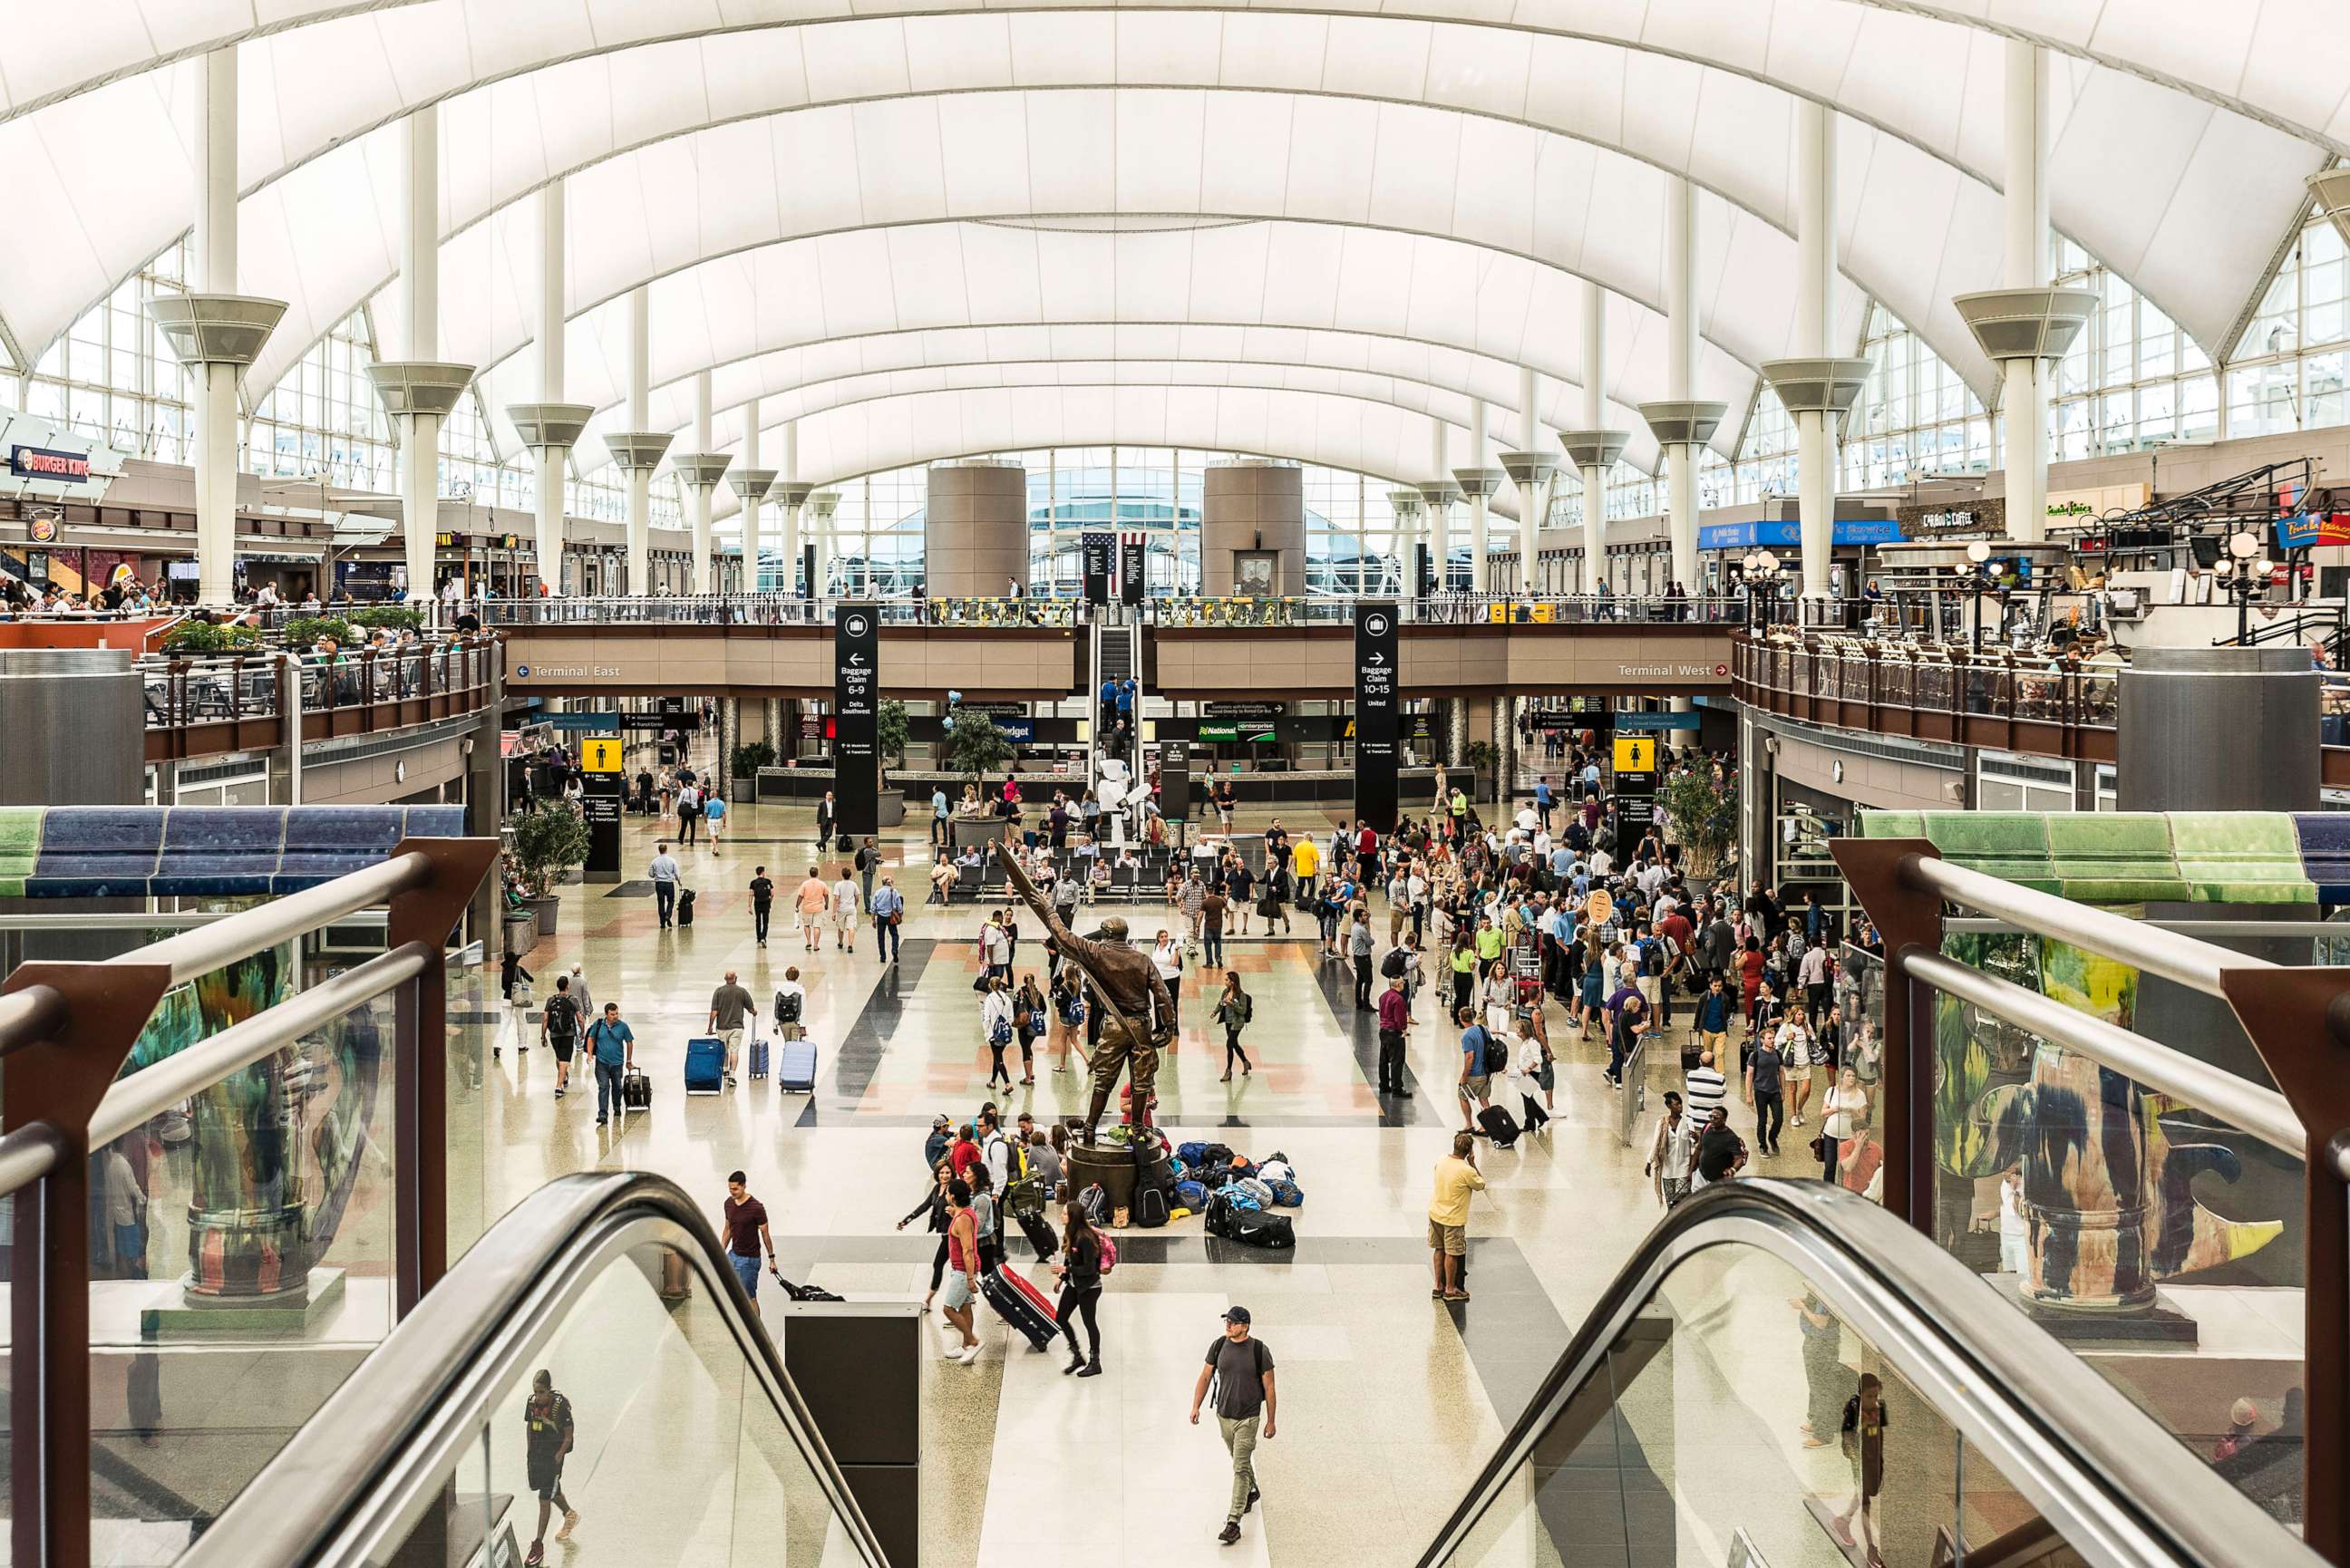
pixel 1241 1368
pixel 1482 1056
pixel 561 1019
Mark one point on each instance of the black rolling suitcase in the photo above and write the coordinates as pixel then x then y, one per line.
pixel 1040 1234
pixel 1019 1304
pixel 685 907
pixel 1498 1125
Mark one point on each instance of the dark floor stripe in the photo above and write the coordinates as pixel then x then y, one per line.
pixel 1335 978
pixel 859 1055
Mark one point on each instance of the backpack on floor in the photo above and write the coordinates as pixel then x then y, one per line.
pixel 1287 1194
pixel 1150 1208
pixel 1191 1195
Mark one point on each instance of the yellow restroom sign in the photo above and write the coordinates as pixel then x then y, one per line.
pixel 603 756
pixel 1636 754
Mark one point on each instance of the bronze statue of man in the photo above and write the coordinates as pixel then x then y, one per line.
pixel 1141 1015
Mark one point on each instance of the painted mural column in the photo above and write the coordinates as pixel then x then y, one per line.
pixel 214 331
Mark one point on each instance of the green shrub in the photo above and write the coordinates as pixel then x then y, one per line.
pixel 304 631
pixel 547 842
pixel 392 617
pixel 890 731
pixel 194 636
pixel 749 757
pixel 975 746
pixel 1703 815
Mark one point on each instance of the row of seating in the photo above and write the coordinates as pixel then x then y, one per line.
pixel 200 851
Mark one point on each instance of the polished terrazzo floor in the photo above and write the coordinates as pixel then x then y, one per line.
pixel 1390 1402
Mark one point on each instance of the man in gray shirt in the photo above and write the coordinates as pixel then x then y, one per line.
pixel 731 1007
pixel 1242 1369
pixel 663 872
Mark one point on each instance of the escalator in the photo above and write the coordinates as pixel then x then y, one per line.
pixel 1671 1432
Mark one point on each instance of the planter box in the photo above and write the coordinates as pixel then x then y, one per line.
pixel 892 808
pixel 547 909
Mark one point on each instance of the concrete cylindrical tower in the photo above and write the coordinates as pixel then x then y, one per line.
pixel 975 530
pixel 2251 714
pixel 75 727
pixel 1249 505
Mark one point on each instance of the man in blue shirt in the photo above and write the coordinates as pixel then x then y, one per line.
pixel 614 1047
pixel 1543 800
pixel 888 904
pixel 1562 862
pixel 938 815
pixel 1476 1083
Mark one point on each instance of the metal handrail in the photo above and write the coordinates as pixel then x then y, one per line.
pixel 2179 959
pixel 153 1090
pixel 2239 1102
pixel 2123 1493
pixel 346 1492
pixel 208 948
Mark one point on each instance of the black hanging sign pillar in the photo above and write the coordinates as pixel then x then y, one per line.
pixel 856 701
pixel 1376 653
pixel 1100 548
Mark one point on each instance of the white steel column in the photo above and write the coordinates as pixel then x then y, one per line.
pixel 699 471
pixel 792 500
pixel 1479 541
pixel 636 450
pixel 1594 448
pixel 419 391
pixel 215 331
pixel 1818 389
pixel 550 426
pixel 1529 526
pixel 2023 401
pixel 215 259
pixel 1815 271
pixel 751 483
pixel 1439 496
pixel 1682 424
pixel 551 458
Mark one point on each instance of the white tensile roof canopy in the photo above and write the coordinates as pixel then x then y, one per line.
pixel 1304 232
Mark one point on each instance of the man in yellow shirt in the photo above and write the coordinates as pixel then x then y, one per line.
pixel 1304 860
pixel 1447 1215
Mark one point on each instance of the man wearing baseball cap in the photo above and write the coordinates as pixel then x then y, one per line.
pixel 935 1146
pixel 1241 1370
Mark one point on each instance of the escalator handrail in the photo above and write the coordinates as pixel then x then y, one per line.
pixel 2121 1490
pixel 395 1424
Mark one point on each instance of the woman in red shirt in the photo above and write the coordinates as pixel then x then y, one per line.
pixel 1749 977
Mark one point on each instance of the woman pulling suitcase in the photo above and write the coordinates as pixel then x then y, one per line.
pixel 1080 1274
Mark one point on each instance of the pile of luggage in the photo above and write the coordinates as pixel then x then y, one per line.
pixel 1238 1195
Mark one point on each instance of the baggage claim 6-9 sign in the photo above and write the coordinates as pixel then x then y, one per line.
pixel 856 687
pixel 1376 717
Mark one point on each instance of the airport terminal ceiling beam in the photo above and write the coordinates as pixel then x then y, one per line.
pixel 906 358
pixel 1705 120
pixel 1334 430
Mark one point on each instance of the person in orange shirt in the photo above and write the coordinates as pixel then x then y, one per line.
pixel 813 900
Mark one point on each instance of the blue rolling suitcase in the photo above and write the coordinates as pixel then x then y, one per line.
pixel 705 1065
pixel 796 1067
pixel 758 1058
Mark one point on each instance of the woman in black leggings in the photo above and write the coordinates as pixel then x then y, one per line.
pixel 1080 1275
pixel 934 1204
pixel 1232 1011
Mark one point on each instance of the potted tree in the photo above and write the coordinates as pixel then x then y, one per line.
pixel 1482 759
pixel 547 842
pixel 1703 816
pixel 743 769
pixel 890 742
pixel 975 746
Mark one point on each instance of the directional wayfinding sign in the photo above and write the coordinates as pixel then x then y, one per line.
pixel 1635 789
pixel 856 702
pixel 1377 652
pixel 600 756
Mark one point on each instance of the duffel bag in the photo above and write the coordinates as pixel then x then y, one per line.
pixel 1287 1194
pixel 1191 1195
pixel 1260 1229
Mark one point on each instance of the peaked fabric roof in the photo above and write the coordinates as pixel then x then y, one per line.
pixel 701 134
